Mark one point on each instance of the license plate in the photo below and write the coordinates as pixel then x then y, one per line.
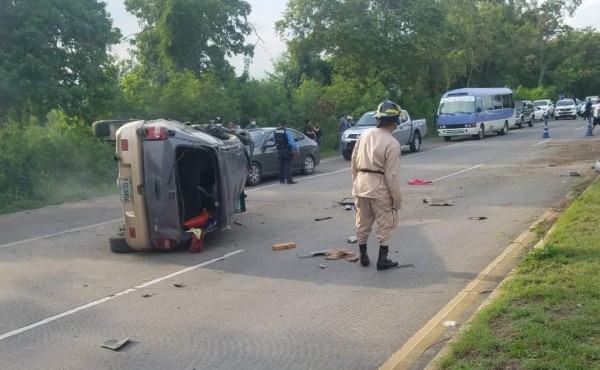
pixel 125 186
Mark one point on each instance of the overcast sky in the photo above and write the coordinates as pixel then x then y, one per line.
pixel 268 46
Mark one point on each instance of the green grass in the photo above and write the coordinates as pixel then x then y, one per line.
pixel 547 314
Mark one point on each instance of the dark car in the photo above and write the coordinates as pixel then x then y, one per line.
pixel 264 157
pixel 524 113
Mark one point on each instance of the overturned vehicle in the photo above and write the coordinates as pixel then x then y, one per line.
pixel 177 181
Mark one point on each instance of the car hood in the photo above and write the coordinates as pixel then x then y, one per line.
pixel 357 129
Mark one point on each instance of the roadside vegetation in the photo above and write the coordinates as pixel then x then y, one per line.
pixel 342 57
pixel 547 313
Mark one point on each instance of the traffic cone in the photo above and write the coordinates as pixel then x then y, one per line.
pixel 546 134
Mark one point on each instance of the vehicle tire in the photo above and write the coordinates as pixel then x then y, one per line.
pixel 415 144
pixel 481 133
pixel 521 122
pixel 504 129
pixel 347 155
pixel 308 165
pixel 254 175
pixel 531 121
pixel 447 138
pixel 118 244
pixel 103 128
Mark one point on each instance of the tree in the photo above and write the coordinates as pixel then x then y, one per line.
pixel 54 54
pixel 190 35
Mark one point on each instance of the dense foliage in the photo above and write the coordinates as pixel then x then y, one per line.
pixel 344 56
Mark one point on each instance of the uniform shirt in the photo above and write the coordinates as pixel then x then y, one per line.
pixel 377 150
pixel 290 139
pixel 597 110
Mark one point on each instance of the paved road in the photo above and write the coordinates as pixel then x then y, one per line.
pixel 244 306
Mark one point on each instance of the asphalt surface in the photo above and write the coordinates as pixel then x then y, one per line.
pixel 241 305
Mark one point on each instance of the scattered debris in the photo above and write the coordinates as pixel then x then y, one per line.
pixel 335 254
pixel 148 295
pixel 451 324
pixel 323 218
pixel 176 285
pixel 282 246
pixel 477 218
pixel 115 344
pixel 350 207
pixel 419 182
pixel 352 239
pixel 438 202
pixel 574 174
pixel 323 266
pixel 407 265
pixel 348 201
pixel 238 223
pixel 313 254
pixel 596 166
pixel 197 244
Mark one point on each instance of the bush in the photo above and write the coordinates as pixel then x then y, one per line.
pixel 52 162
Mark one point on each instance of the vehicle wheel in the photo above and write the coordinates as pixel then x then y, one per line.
pixel 103 128
pixel 415 144
pixel 255 175
pixel 521 122
pixel 447 138
pixel 504 129
pixel 531 121
pixel 347 155
pixel 308 165
pixel 118 244
pixel 481 132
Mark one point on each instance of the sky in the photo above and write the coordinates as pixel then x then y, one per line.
pixel 268 46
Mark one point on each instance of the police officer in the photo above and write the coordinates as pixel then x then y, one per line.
pixel 286 148
pixel 376 183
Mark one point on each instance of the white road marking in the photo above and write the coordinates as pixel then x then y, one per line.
pixel 459 172
pixel 112 296
pixel 60 233
pixel 542 142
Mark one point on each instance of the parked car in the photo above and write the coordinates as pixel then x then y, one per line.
pixel 524 113
pixel 565 108
pixel 546 105
pixel 174 177
pixel 538 114
pixel 264 157
pixel 409 133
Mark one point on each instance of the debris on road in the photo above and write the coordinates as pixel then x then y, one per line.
pixel 451 324
pixel 477 218
pixel 596 166
pixel 350 207
pixel 176 285
pixel 323 266
pixel 323 218
pixel 115 344
pixel 238 223
pixel 282 246
pixel 147 295
pixel 352 239
pixel 574 174
pixel 335 254
pixel 438 202
pixel 314 253
pixel 348 201
pixel 419 182
pixel 197 244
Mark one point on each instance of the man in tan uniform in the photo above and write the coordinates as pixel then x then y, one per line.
pixel 376 183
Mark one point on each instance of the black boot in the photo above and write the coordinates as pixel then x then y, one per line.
pixel 364 257
pixel 383 263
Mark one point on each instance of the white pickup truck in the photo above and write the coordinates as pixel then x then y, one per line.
pixel 409 133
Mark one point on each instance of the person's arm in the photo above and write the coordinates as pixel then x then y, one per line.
pixel 392 174
pixel 353 160
pixel 291 141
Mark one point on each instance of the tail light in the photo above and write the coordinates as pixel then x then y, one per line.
pixel 154 132
pixel 124 145
pixel 165 243
pixel 132 232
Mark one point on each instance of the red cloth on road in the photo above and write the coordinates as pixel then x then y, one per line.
pixel 419 182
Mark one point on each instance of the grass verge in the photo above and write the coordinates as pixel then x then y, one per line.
pixel 546 315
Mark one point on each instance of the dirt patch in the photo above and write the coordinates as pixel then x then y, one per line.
pixel 571 152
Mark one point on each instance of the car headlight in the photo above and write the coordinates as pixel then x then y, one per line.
pixel 345 136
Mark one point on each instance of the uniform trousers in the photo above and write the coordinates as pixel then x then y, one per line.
pixel 369 211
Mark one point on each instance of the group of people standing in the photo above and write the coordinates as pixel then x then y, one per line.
pixel 312 132
pixel 592 113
